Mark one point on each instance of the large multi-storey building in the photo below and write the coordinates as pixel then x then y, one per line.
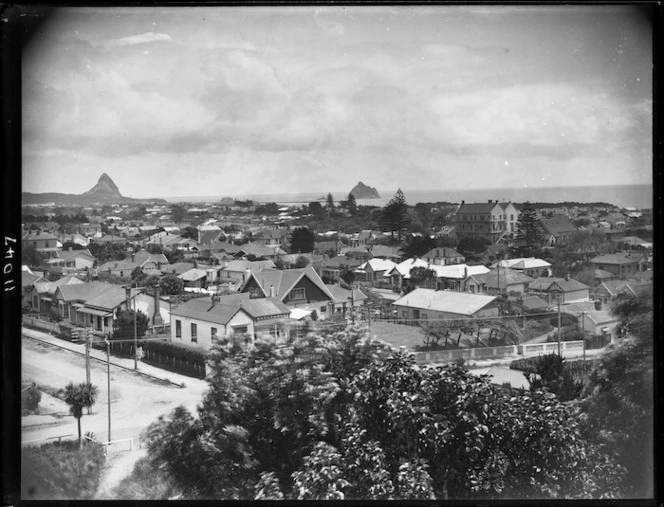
pixel 492 220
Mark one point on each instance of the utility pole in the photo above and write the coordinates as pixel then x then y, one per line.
pixel 87 338
pixel 583 320
pixel 559 329
pixel 108 373
pixel 135 338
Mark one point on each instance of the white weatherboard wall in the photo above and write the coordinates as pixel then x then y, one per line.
pixel 204 329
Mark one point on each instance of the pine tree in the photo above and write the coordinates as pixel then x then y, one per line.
pixel 529 233
pixel 395 215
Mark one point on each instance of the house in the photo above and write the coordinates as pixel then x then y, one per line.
pixel 177 268
pixel 392 253
pixel 111 238
pixel 636 242
pixel 401 271
pixel 363 238
pixel 428 304
pixel 331 269
pixel 531 304
pixel 205 320
pixel 494 253
pixel 39 295
pixel 296 288
pixel 195 277
pixel 28 278
pixel 559 290
pixel 208 234
pixel 236 270
pixel 90 230
pixel 344 299
pixel 447 231
pixel 373 270
pixel 322 247
pixel 360 253
pixel 443 256
pixel 141 259
pixel 73 259
pixel 92 304
pixel 493 221
pixel 621 263
pixel 454 276
pixel 258 251
pixel 529 266
pixel 557 230
pixel 617 220
pixel 172 242
pixel 272 237
pixel 609 289
pixel 76 239
pixel 45 243
pixel 505 280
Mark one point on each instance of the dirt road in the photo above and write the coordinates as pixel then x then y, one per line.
pixel 136 401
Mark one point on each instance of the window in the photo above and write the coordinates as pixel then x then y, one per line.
pixel 178 329
pixel 323 309
pixel 297 294
pixel 511 217
pixel 194 333
pixel 213 332
pixel 424 316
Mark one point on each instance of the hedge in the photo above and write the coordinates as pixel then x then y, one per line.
pixel 60 471
pixel 176 357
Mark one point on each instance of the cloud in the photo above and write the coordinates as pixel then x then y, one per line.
pixel 139 39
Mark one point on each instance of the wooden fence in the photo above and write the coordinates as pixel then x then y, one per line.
pixel 43 325
pixel 451 355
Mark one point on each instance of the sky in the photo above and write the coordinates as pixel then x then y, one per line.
pixel 201 101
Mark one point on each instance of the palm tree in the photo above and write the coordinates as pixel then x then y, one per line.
pixel 79 397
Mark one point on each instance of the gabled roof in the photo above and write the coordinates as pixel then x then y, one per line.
pixel 618 258
pixel 283 281
pixel 84 291
pixel 534 303
pixel 29 278
pixel 522 263
pixel 225 246
pixel 385 251
pixel 558 224
pixel 545 284
pixel 342 295
pixel 241 265
pixel 272 234
pixel 222 311
pixel 193 274
pixel 458 271
pixel 502 278
pixel 377 265
pixel 209 236
pixel 478 208
pixel 338 262
pixel 442 253
pixel 261 251
pixel 601 274
pixel 147 256
pixel 70 254
pixel 613 287
pixel 404 267
pixel 50 287
pixel 461 303
pixel 41 236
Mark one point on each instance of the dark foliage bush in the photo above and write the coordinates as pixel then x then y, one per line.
pixel 30 399
pixel 60 471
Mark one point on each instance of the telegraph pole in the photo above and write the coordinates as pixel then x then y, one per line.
pixel 87 338
pixel 108 372
pixel 135 338
pixel 559 328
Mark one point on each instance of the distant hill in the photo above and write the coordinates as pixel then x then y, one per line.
pixel 362 191
pixel 104 192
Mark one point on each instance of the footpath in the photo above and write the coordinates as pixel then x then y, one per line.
pixel 146 370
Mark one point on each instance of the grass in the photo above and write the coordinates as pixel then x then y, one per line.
pixel 398 335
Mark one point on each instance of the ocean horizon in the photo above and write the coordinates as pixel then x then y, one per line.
pixel 624 196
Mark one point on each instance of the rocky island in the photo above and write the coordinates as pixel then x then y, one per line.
pixel 362 191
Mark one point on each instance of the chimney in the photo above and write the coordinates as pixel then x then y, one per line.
pixel 214 299
pixel 133 256
pixel 195 264
pixel 272 292
pixel 128 296
pixel 598 305
pixel 490 201
pixel 156 318
pixel 567 277
pixel 463 202
pixel 465 273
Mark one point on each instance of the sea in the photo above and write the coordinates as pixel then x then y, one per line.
pixel 623 196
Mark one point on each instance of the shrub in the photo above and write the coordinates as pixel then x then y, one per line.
pixel 60 471
pixel 30 398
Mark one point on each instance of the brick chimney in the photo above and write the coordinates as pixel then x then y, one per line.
pixel 156 318
pixel 567 277
pixel 598 304
pixel 272 292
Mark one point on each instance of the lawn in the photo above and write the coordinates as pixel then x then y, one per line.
pixel 398 335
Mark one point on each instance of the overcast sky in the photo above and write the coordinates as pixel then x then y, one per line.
pixel 231 101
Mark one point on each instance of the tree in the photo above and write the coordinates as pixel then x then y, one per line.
pixel 337 415
pixel 31 256
pixel 174 256
pixel 316 209
pixel 351 204
pixel 421 275
pixel 529 232
pixel 171 285
pixel 74 246
pixel 123 326
pixel 395 215
pixel 190 232
pixel 79 397
pixel 138 276
pixel 301 262
pixel 330 202
pixel 155 248
pixel 302 240
pixel 178 212
pixel 619 396
pixel 347 275
pixel 472 248
pixel 418 246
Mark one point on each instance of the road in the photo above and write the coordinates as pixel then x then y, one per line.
pixel 136 400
